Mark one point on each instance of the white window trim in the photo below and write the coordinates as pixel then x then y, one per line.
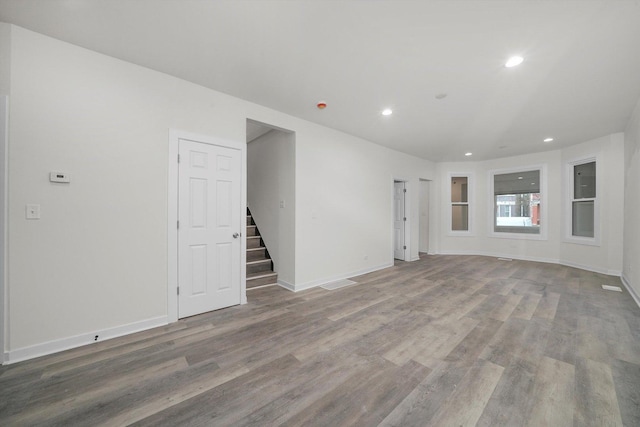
pixel 568 199
pixel 543 202
pixel 470 203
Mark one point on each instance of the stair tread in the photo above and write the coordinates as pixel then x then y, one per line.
pixel 261 274
pixel 259 261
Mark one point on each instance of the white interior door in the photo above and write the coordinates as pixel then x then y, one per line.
pixel 398 220
pixel 209 197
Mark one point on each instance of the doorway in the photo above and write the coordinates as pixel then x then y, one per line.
pixel 423 241
pixel 4 140
pixel 206 242
pixel 399 220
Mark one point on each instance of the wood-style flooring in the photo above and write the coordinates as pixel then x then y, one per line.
pixel 443 341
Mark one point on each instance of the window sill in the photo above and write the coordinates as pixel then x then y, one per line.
pixel 460 234
pixel 518 236
pixel 586 241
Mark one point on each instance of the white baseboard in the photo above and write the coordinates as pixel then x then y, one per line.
pixel 62 344
pixel 320 282
pixel 288 286
pixel 616 273
pixel 501 255
pixel 632 292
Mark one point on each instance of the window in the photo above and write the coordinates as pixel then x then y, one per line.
pixel 583 198
pixel 517 202
pixel 459 203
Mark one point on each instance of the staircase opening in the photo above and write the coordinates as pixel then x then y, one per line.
pixel 259 263
pixel 270 205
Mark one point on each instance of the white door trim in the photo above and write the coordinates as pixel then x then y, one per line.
pixel 4 162
pixel 175 136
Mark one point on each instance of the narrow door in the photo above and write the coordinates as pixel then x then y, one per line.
pixel 209 227
pixel 398 220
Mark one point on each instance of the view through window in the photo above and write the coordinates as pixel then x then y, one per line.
pixel 517 202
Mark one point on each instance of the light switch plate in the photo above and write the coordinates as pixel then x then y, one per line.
pixel 32 212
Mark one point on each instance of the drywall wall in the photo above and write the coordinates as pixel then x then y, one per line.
pixel 344 201
pixel 425 187
pixel 552 247
pixel 5 58
pixel 481 207
pixel 605 257
pixel 271 196
pixel 631 263
pixel 96 261
pixel 5 86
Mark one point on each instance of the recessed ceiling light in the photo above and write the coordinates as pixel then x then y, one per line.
pixel 519 177
pixel 387 112
pixel 468 154
pixel 513 61
pixel 548 139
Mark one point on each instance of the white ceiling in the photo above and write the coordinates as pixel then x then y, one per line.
pixel 580 78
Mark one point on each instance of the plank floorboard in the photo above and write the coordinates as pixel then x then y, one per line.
pixel 442 341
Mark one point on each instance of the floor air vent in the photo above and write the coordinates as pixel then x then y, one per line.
pixel 612 288
pixel 337 284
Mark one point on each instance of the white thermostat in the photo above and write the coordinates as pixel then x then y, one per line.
pixel 59 177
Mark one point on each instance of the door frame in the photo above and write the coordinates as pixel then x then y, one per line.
pixel 175 135
pixel 407 213
pixel 4 169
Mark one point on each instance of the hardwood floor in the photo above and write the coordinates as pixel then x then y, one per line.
pixel 443 341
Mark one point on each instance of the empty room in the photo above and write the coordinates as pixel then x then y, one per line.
pixel 320 213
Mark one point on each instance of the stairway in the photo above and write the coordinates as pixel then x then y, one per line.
pixel 259 265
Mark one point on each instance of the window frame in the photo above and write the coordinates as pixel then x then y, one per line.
pixel 470 204
pixel 542 235
pixel 569 199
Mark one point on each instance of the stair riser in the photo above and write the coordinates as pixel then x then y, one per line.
pixel 263 266
pixel 252 231
pixel 253 243
pixel 249 221
pixel 256 255
pixel 252 283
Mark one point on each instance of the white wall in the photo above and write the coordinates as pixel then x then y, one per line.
pixel 5 86
pixel 5 58
pixel 96 262
pixel 344 194
pixel 425 187
pixel 631 264
pixel 606 257
pixel 271 180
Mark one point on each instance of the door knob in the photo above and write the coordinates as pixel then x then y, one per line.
pixel 235 235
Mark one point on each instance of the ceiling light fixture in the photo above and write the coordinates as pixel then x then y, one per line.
pixel 387 112
pixel 514 61
pixel 321 105
pixel 519 177
pixel 468 154
pixel 548 140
